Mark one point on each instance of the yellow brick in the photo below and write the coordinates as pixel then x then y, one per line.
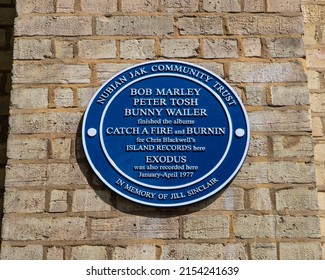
pixel 321 200
pixel 322 226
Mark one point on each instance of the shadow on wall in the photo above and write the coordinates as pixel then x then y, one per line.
pixel 7 15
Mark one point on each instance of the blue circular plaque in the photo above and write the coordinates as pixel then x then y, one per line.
pixel 165 133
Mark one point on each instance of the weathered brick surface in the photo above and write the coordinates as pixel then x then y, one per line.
pixel 263 251
pixel 265 25
pixel 60 148
pixel 214 67
pixel 258 146
pixel 64 49
pixel 322 226
pixel 5 57
pixel 297 227
pixel 51 25
pixel 7 15
pixel 65 6
pixel 317 102
pixel 24 201
pixel 28 98
pixel 89 253
pixel 290 95
pixel 300 251
pixel 290 146
pixel 311 34
pixel 252 47
pixel 197 227
pixel 253 173
pixel 319 154
pixel 63 97
pixel 280 121
pixel 58 201
pixel 135 252
pixel 281 6
pixel 296 199
pixel 3 40
pixel 51 73
pixel 134 25
pixel 99 6
pixel 221 6
pixel 139 6
pixel 231 199
pixel 27 148
pixel 32 49
pixel 256 95
pixel 45 123
pixel 266 72
pixel 285 47
pixel 235 251
pixel 220 48
pixel 313 13
pixel 3 156
pixel 190 251
pixel 291 172
pixel 135 228
pixel 34 6
pixel 54 253
pixel 19 175
pixel 138 49
pixel 203 251
pixel 260 199
pixel 179 48
pixel 200 26
pixel 320 174
pixel 314 79
pixel 316 57
pixel 29 252
pixel 97 49
pixel 90 200
pixel 251 226
pixel 254 6
pixel 185 6
pixel 67 228
pixel 85 95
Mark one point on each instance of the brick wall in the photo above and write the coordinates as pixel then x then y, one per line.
pixel 55 207
pixel 314 16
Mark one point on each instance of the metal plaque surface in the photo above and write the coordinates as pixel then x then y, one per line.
pixel 166 133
